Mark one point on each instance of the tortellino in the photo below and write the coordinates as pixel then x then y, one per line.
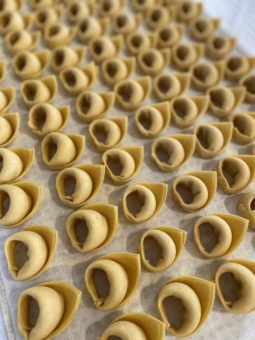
pixel 106 133
pixel 185 110
pixel 77 10
pixel 171 152
pixel 235 286
pixel 90 28
pixel 202 29
pixel 65 56
pixel 77 185
pixel 57 34
pixel 205 75
pixel 246 207
pixel 143 201
pixel 15 163
pixel 139 326
pixel 75 80
pixel 11 5
pixel 7 97
pixel 169 35
pixel 116 69
pixel 38 4
pixel 47 15
pixel 20 40
pixel 93 105
pixel 110 8
pixel 36 91
pixel 186 55
pixel 9 128
pixel 44 118
pixel 185 303
pixel 131 93
pixel 167 85
pixel 30 65
pixel 102 48
pixel 138 42
pixel 23 200
pixel 30 251
pixel 219 234
pixel 160 247
pixel 235 172
pixel 219 46
pixel 224 100
pixel 122 164
pixel 112 280
pixel 12 20
pixel 60 151
pixel 243 127
pixel 238 66
pixel 125 23
pixel 158 15
pixel 153 61
pixel 212 138
pixel 143 5
pixel 92 227
pixel 195 190
pixel 249 83
pixel 153 119
pixel 58 303
pixel 189 10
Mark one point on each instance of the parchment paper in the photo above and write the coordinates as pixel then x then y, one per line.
pixel 69 265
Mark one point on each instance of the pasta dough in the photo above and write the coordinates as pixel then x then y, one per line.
pixel 201 29
pixel 24 199
pixel 102 48
pixel 90 28
pixel 153 61
pixel 116 69
pixel 151 120
pixel 235 172
pixel 122 164
pixel 19 40
pixel 185 303
pixel 225 100
pixel 30 65
pixel 12 20
pixel 186 55
pixel 160 247
pixel 57 34
pixel 235 286
pixel 169 35
pixel 244 127
pixel 249 83
pixel 15 163
pixel 139 326
pixel 57 301
pixel 205 75
pixel 60 151
pixel 39 91
pixel 246 207
pixel 65 56
pixel 171 152
pixel 44 118
pixel 219 46
pixel 167 86
pixel 106 133
pixel 92 105
pixel 92 227
pixel 7 97
pixel 47 15
pixel 143 201
pixel 131 93
pixel 39 243
pixel 125 23
pixel 138 42
pixel 219 234
pixel 185 110
pixel 157 16
pixel 189 10
pixel 77 10
pixel 110 8
pixel 76 80
pixel 213 138
pixel 9 127
pixel 78 185
pixel 195 190
pixel 238 66
pixel 121 271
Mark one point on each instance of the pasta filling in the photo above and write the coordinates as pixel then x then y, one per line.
pixel 250 85
pixel 234 63
pixel 146 119
pixel 30 91
pixel 70 78
pixel 4 203
pixel 33 311
pixel 166 34
pixel 182 108
pixel 252 205
pixel 245 125
pixel 135 202
pixel 51 148
pixel 100 133
pixel 115 164
pixel 137 41
pixel 230 171
pixel 81 231
pixel 101 284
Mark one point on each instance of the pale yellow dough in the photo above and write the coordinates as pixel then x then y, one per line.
pixel 201 29
pixel 57 34
pixel 9 127
pixel 167 86
pixel 244 127
pixel 169 35
pixel 219 46
pixel 102 48
pixel 20 40
pixel 138 42
pixel 205 75
pixel 65 56
pixel 30 65
pixel 44 118
pixel 90 28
